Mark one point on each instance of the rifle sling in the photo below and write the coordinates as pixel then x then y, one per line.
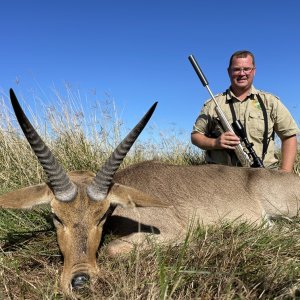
pixel 266 140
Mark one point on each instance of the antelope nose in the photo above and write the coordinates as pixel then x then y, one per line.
pixel 80 280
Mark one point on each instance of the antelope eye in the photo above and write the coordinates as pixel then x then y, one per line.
pixel 102 219
pixel 56 220
pixel 108 213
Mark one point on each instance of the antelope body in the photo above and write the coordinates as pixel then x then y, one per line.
pixel 146 198
pixel 206 194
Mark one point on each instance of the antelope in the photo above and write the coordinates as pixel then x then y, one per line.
pixel 146 200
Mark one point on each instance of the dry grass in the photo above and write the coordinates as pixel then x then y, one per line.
pixel 230 261
pixel 79 141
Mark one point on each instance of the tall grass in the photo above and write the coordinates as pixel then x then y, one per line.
pixel 79 140
pixel 227 261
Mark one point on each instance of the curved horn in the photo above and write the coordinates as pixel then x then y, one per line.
pixel 98 189
pixel 63 188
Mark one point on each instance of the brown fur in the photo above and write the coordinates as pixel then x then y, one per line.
pixel 163 200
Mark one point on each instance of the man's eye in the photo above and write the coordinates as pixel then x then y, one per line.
pixel 246 70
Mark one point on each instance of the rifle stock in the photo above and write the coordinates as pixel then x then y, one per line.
pixel 239 151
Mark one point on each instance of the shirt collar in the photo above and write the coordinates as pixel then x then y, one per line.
pixel 231 97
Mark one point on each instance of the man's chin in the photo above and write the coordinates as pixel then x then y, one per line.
pixel 242 82
pixel 243 85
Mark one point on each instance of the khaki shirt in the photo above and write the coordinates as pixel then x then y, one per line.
pixel 250 114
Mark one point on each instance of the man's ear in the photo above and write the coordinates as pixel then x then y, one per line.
pixel 27 198
pixel 228 71
pixel 130 197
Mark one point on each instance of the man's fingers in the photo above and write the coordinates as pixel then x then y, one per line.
pixel 228 135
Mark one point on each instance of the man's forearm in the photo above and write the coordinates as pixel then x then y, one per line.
pixel 202 141
pixel 226 140
pixel 288 153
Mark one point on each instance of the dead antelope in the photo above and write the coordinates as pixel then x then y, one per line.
pixel 164 198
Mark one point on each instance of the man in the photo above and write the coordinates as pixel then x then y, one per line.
pixel 262 114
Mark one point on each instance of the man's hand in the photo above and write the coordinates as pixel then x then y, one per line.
pixel 227 140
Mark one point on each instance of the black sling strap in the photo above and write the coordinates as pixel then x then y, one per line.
pixel 266 141
pixel 232 111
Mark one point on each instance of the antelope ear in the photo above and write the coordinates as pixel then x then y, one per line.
pixel 27 198
pixel 130 197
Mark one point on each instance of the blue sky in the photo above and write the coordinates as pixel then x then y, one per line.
pixel 136 51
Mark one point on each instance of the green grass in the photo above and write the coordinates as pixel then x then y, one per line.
pixel 229 261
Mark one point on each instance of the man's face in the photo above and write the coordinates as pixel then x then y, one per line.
pixel 241 73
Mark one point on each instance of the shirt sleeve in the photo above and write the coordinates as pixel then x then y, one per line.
pixel 201 123
pixel 284 125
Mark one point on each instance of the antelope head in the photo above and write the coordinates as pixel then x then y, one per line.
pixel 80 201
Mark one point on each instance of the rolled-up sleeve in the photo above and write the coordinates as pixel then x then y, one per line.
pixel 200 125
pixel 284 125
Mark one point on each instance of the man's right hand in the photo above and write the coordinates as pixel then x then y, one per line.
pixel 227 140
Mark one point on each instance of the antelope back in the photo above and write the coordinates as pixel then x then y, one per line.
pixel 215 192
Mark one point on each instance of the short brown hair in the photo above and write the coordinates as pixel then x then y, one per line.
pixel 241 54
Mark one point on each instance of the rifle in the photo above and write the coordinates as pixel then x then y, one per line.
pixel 237 127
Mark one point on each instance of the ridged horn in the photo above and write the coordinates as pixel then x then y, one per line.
pixel 98 189
pixel 63 188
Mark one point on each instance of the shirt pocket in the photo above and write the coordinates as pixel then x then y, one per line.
pixel 256 125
